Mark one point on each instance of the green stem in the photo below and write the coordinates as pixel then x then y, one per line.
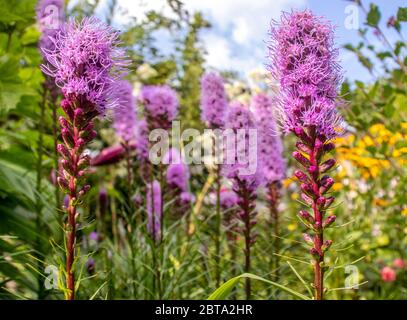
pixel 39 206
pixel 218 227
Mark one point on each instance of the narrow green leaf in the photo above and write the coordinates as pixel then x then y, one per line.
pixel 224 290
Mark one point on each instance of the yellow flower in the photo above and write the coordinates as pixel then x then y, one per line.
pixel 380 202
pixel 292 226
pixel 404 212
pixel 294 196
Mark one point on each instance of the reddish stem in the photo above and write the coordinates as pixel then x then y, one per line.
pixel 318 216
pixel 71 228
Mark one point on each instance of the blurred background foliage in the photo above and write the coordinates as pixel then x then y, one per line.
pixel 371 177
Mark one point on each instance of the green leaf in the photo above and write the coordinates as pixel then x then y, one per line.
pixel 373 17
pixel 402 14
pixel 224 290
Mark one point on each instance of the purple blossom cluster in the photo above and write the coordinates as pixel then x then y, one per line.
pixel 160 104
pixel 125 119
pixel 243 163
pixel 177 177
pixel 213 100
pixel 86 62
pixel 269 142
pixel 154 210
pixel 50 17
pixel 304 60
pixel 228 198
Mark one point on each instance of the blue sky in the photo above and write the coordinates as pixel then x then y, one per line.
pixel 237 39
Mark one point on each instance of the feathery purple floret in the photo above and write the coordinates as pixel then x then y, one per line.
pixel 154 212
pixel 125 113
pixel 269 142
pixel 177 176
pixel 228 198
pixel 304 60
pixel 161 105
pixel 213 100
pixel 242 160
pixel 177 171
pixel 172 156
pixel 86 62
pixel 50 17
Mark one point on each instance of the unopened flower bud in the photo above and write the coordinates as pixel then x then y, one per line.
pixel 327 165
pixel 63 151
pixel 326 183
pixel 66 106
pixel 328 221
pixel 300 158
pixel 328 202
pixel 303 147
pixel 301 176
pixel 308 238
pixel 306 216
pixel 84 190
pixel 63 184
pixel 67 137
pixel 327 244
pixel 306 199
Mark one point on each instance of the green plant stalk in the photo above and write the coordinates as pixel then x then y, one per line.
pixel 218 227
pixel 55 137
pixel 129 169
pixel 273 195
pixel 38 204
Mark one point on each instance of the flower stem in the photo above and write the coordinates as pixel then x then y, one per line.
pixel 273 196
pixel 218 227
pixel 319 236
pixel 38 205
pixel 55 137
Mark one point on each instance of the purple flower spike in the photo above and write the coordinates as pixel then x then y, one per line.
pixel 244 167
pixel 304 60
pixel 125 112
pixel 154 210
pixel 86 64
pixel 269 143
pixel 243 162
pixel 161 105
pixel 213 100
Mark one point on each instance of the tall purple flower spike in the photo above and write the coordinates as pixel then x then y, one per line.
pixel 245 173
pixel 124 115
pixel 304 60
pixel 213 100
pixel 161 105
pixel 154 210
pixel 242 159
pixel 269 142
pixel 85 63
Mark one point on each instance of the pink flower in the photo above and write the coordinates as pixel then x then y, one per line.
pixel 399 263
pixel 388 274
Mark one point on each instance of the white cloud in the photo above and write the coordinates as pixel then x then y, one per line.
pixel 237 38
